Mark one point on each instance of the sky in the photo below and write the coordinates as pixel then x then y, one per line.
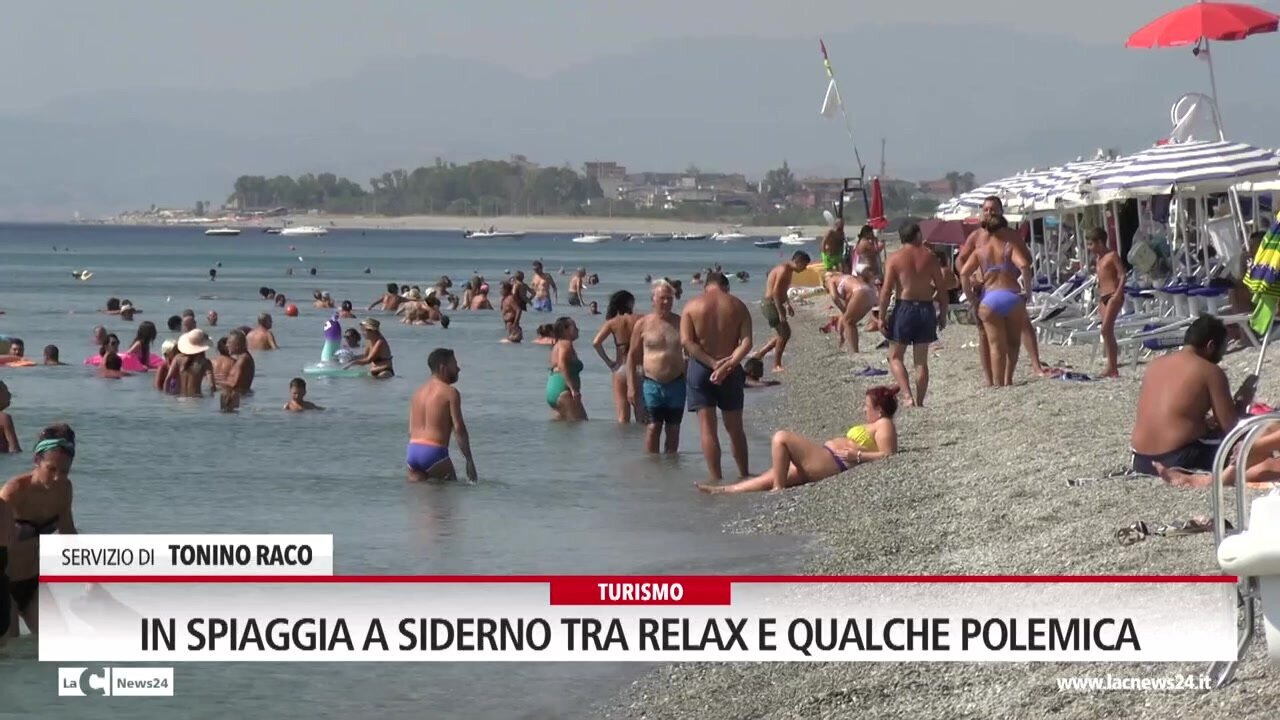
pixel 58 48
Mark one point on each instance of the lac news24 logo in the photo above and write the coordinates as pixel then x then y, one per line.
pixel 116 681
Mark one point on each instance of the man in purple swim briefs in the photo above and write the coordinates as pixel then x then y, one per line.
pixel 435 415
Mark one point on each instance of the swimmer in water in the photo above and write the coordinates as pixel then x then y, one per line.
pixel 8 435
pixel 261 337
pixel 390 300
pixel 51 355
pixel 212 318
pixel 100 335
pixel 127 310
pixel 378 356
pixel 281 301
pixel 435 415
pixel 17 356
pixel 346 312
pixel 593 307
pixel 545 334
pixel 352 337
pixel 174 324
pixel 112 367
pixel 480 301
pixel 40 503
pixel 298 401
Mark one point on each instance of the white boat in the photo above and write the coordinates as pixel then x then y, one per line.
pixel 647 238
pixel 689 236
pixel 492 234
pixel 222 231
pixel 303 231
pixel 731 236
pixel 795 236
pixel 592 239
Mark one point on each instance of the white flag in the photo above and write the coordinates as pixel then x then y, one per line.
pixel 831 103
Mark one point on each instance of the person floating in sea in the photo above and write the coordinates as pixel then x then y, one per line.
pixel 378 356
pixel 261 337
pixel 1005 265
pixel 593 308
pixel 619 323
pixel 112 367
pixel 564 382
pixel 51 355
pixel 347 311
pixel 545 335
pixel 211 318
pixel 776 306
pixel 8 435
pixel 798 460
pixel 655 363
pixel 39 501
pixel 544 289
pixel 435 415
pixel 992 206
pixel 17 355
pixel 914 275
pixel 715 330
pixel 1111 272
pixel 1172 427
pixel 298 401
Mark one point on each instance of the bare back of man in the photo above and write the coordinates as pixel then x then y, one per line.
pixel 431 428
pixel 776 307
pixel 715 331
pixel 1171 425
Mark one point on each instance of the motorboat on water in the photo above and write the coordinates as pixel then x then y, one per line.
pixel 303 231
pixel 795 236
pixel 272 230
pixel 731 236
pixel 768 244
pixel 222 231
pixel 492 234
pixel 592 239
pixel 689 236
pixel 647 238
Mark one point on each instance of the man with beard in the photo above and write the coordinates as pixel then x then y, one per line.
pixel 435 415
pixel 992 224
pixel 655 346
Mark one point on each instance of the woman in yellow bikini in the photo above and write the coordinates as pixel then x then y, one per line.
pixel 797 460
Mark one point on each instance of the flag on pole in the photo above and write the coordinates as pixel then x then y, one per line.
pixel 831 103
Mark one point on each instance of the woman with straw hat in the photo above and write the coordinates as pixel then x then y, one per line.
pixel 378 356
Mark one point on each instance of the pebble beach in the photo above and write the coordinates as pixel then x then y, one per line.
pixel 987 481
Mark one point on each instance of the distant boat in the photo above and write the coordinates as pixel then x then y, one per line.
pixel 222 231
pixel 492 234
pixel 689 236
pixel 795 236
pixel 731 236
pixel 770 244
pixel 81 274
pixel 303 231
pixel 648 237
pixel 271 230
pixel 592 239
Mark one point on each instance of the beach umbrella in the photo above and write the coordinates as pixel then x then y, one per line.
pixel 875 218
pixel 1216 165
pixel 1201 23
pixel 945 232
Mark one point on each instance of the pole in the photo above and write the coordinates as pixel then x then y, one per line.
pixel 1213 88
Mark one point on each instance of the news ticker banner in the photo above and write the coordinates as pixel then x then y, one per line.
pixel 274 598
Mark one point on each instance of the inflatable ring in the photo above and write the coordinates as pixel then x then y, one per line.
pixel 334 370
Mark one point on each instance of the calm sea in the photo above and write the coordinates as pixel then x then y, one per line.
pixel 553 498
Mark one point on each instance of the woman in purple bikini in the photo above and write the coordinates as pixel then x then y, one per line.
pixel 1006 271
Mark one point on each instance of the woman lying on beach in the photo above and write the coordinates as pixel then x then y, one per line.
pixel 40 503
pixel 797 460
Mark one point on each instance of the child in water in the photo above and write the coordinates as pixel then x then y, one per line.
pixel 298 397
pixel 753 368
pixel 8 436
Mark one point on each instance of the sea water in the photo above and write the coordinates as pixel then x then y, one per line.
pixel 552 497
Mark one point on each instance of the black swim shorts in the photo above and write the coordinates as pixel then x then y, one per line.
pixel 727 396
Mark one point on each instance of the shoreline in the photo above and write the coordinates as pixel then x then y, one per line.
pixel 530 224
pixel 981 486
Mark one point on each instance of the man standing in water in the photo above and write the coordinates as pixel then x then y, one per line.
pixel 1110 295
pixel 240 376
pixel 544 289
pixel 776 306
pixel 715 331
pixel 435 414
pixel 261 337
pixel 915 275
pixel 991 208
pixel 655 346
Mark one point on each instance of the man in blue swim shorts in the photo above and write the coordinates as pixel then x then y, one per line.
pixel 914 275
pixel 655 347
pixel 435 415
pixel 544 288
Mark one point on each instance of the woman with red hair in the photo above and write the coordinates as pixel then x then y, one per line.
pixel 797 460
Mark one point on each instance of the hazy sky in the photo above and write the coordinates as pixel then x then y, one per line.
pixel 56 48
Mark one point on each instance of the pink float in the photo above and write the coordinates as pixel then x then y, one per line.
pixel 130 362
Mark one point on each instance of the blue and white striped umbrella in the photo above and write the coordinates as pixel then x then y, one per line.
pixel 1067 184
pixel 1157 170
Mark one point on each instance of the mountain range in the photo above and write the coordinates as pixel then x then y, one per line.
pixel 945 98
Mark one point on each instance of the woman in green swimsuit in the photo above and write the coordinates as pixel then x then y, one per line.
pixel 564 391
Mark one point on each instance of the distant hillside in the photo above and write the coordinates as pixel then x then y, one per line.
pixel 945 99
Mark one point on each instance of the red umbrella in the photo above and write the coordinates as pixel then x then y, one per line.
pixel 877 219
pixel 1200 23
